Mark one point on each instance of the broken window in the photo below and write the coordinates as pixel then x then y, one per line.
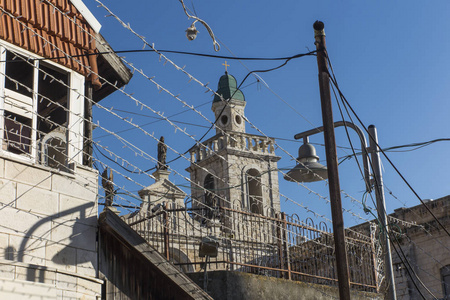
pixel 56 153
pixel 19 74
pixel 17 133
pixel 52 116
pixel 36 105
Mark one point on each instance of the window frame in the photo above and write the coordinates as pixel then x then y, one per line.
pixel 75 107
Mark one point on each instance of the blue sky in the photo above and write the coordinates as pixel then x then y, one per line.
pixel 390 59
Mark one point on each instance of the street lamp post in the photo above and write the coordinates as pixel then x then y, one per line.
pixel 333 174
pixel 307 172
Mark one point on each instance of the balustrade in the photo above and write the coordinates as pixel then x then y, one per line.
pixel 238 141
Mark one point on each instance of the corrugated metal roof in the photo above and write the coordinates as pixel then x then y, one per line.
pixel 46 30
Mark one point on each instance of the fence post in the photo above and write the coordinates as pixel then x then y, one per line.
pixel 166 232
pixel 280 243
pixel 286 246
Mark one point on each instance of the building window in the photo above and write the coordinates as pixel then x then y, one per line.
pixel 209 198
pixel 36 104
pixel 209 193
pixel 19 74
pixel 254 191
pixel 445 274
pixel 17 133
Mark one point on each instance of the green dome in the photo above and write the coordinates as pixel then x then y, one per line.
pixel 227 87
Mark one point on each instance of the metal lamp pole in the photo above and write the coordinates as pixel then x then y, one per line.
pixel 379 190
pixel 333 175
pixel 302 173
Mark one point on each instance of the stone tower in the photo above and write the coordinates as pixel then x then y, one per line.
pixel 233 168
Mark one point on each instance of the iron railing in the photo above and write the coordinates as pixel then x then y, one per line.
pixel 279 246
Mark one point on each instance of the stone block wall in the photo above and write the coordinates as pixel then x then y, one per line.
pixel 224 285
pixel 48 232
pixel 426 247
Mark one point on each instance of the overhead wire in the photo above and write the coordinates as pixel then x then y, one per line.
pixel 401 256
pixel 132 98
pixel 111 153
pixel 165 51
pixel 391 163
pixel 127 26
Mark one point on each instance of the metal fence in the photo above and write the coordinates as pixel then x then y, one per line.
pixel 279 245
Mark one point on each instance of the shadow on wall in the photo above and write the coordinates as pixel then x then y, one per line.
pixel 74 234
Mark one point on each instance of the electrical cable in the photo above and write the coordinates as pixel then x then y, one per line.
pixel 401 256
pixel 410 270
pixel 259 78
pixel 237 89
pixel 385 155
pixel 142 152
pixel 333 79
pixel 167 51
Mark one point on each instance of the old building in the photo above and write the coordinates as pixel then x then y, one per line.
pixel 50 75
pixel 420 249
pixel 427 248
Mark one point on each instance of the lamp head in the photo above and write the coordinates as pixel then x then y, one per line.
pixel 308 169
pixel 191 32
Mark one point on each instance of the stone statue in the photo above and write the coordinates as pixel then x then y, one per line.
pixel 162 153
pixel 108 186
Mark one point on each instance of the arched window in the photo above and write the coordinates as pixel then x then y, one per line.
pixel 209 193
pixel 254 191
pixel 54 149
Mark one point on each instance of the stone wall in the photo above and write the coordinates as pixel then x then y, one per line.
pixel 223 285
pixel 426 247
pixel 228 159
pixel 48 229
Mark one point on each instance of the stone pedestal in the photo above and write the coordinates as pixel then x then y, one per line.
pixel 161 175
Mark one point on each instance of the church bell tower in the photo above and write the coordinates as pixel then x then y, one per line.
pixel 229 108
pixel 233 168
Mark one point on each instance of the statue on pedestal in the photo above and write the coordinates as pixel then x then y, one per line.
pixel 162 154
pixel 108 186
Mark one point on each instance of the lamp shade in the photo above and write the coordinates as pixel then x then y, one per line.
pixel 308 169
